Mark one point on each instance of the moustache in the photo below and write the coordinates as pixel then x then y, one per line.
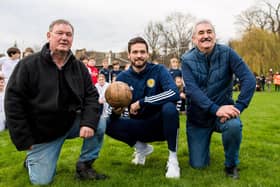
pixel 141 59
pixel 206 39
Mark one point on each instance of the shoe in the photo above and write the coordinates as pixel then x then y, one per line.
pixel 140 155
pixel 84 171
pixel 173 169
pixel 232 172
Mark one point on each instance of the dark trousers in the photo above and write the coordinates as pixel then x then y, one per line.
pixel 162 125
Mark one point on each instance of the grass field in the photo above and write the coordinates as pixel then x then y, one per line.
pixel 259 156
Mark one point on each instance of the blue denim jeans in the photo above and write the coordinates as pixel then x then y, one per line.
pixel 199 142
pixel 42 158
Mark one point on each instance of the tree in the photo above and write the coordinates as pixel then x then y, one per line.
pixel 152 34
pixel 176 32
pixel 171 37
pixel 253 17
pixel 259 49
pixel 264 15
pixel 273 15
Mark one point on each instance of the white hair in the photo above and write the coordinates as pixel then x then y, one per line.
pixel 202 21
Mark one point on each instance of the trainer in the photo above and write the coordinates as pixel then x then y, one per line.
pixel 152 113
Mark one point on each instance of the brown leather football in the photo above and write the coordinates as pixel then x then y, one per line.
pixel 118 94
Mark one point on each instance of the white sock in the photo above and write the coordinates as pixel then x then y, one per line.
pixel 140 145
pixel 172 155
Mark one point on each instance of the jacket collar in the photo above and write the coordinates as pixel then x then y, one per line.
pixel 46 54
pixel 203 55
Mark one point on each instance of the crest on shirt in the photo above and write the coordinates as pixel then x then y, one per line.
pixel 151 82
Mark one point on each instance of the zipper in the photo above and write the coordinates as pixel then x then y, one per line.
pixel 57 93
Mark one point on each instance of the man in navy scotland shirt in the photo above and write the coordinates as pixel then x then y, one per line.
pixel 152 112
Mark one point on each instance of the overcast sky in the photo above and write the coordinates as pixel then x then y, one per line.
pixel 104 25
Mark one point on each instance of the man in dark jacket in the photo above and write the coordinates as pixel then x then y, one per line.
pixel 50 98
pixel 208 72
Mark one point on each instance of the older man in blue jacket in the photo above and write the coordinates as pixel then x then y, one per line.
pixel 208 70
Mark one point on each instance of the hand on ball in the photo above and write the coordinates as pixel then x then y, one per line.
pixel 118 110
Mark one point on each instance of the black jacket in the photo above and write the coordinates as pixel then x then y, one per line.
pixel 32 108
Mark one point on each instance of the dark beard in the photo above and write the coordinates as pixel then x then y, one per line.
pixel 139 66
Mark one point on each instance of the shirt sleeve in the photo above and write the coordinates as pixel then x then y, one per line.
pixel 247 80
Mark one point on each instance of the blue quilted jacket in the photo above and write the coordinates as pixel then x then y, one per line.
pixel 209 82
